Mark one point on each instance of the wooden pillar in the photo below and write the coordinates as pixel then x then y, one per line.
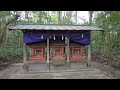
pixel 89 55
pixel 48 52
pixel 24 56
pixel 68 51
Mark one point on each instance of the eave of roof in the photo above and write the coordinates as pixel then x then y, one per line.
pixel 54 27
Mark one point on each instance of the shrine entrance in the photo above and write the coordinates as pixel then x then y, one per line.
pixel 57 51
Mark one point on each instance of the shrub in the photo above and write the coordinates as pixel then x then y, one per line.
pixel 8 54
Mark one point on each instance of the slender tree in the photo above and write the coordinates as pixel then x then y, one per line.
pixel 4 33
pixel 90 17
pixel 59 17
pixel 76 17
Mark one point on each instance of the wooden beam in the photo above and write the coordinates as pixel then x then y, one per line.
pixel 48 51
pixel 24 56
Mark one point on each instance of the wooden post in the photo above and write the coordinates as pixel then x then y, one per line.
pixel 48 52
pixel 24 56
pixel 89 55
pixel 68 52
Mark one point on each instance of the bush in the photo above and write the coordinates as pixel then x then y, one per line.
pixel 8 54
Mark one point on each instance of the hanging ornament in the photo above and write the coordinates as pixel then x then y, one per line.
pixel 54 37
pixel 82 35
pixel 62 37
pixel 42 37
pixel 50 37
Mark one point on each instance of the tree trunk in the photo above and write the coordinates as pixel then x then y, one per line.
pixel 76 17
pixel 40 18
pixel 90 17
pixel 4 33
pixel 89 46
pixel 26 15
pixel 59 17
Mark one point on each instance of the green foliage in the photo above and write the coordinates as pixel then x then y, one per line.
pixel 67 17
pixel 7 54
pixel 14 39
pixel 96 42
pixel 10 53
pixel 110 22
pixel 6 18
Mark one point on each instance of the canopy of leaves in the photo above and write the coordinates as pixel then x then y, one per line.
pixel 110 22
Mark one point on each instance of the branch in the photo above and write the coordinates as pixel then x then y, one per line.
pixel 3 34
pixel 13 20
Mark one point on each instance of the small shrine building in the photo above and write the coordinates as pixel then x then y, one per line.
pixel 49 41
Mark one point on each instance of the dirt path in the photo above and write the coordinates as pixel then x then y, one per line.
pixel 97 71
pixel 10 71
pixel 81 74
pixel 109 70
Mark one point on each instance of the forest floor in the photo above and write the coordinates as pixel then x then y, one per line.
pixel 97 71
pixel 107 69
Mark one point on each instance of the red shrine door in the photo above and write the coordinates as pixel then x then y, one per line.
pixel 75 52
pixel 57 51
pixel 37 54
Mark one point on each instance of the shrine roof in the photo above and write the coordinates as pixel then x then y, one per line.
pixel 53 27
